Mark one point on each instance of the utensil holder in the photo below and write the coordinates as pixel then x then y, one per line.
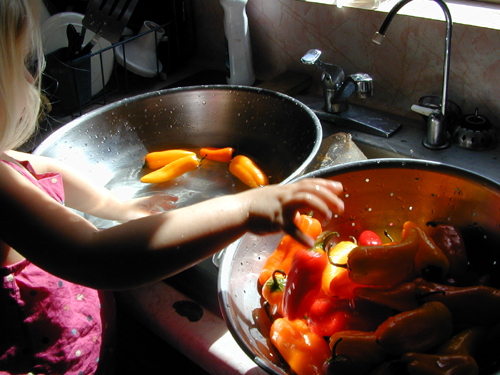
pixel 68 83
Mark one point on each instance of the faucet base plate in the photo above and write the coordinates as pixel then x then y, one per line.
pixel 360 118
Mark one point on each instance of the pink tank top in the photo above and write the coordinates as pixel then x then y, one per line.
pixel 49 325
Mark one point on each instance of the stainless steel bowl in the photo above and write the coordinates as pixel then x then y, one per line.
pixel 108 145
pixel 379 194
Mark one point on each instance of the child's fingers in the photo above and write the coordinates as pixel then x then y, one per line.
pixel 319 196
pixel 298 235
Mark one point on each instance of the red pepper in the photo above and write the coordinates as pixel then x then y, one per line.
pixel 304 282
pixel 328 316
pixel 282 257
pixel 369 238
pixel 449 239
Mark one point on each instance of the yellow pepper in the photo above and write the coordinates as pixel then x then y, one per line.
pixel 304 351
pixel 247 171
pixel 159 159
pixel 172 170
pixel 337 255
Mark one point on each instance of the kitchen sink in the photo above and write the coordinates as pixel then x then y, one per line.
pixel 375 152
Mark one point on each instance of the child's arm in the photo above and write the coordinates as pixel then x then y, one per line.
pixel 154 247
pixel 95 200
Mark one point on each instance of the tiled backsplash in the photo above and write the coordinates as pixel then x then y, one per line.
pixel 408 65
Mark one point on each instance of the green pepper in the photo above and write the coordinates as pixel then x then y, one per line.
pixel 384 265
pixel 358 345
pixel 349 358
pixel 469 306
pixel 404 297
pixel 465 342
pixel 433 364
pixel 417 330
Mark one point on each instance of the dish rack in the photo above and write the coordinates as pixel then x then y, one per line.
pixel 68 83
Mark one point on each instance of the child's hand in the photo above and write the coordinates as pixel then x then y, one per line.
pixel 275 208
pixel 145 206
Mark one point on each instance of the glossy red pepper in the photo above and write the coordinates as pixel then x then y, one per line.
pixel 328 316
pixel 369 238
pixel 303 283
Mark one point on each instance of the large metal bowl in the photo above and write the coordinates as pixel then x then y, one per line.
pixel 109 144
pixel 379 194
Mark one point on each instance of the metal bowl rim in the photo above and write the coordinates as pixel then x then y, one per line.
pixel 226 261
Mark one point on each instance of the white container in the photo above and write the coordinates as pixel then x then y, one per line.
pixel 238 51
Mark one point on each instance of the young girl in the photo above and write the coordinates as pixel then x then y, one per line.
pixel 55 265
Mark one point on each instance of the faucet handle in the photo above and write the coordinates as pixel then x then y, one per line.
pixel 364 84
pixel 332 74
pixel 311 57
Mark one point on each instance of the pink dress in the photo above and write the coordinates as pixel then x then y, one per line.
pixel 49 325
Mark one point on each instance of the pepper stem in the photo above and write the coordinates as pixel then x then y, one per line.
pixel 388 235
pixel 342 265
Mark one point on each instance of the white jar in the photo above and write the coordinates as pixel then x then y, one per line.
pixel 238 50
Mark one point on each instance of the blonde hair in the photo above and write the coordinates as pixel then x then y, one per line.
pixel 20 48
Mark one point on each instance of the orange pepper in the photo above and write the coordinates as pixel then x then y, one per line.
pixel 247 171
pixel 282 257
pixel 172 170
pixel 272 292
pixel 159 159
pixel 217 154
pixel 304 351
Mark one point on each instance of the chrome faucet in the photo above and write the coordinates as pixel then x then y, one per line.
pixel 437 119
pixel 336 87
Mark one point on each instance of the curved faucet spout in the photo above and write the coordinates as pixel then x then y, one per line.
pixel 439 139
